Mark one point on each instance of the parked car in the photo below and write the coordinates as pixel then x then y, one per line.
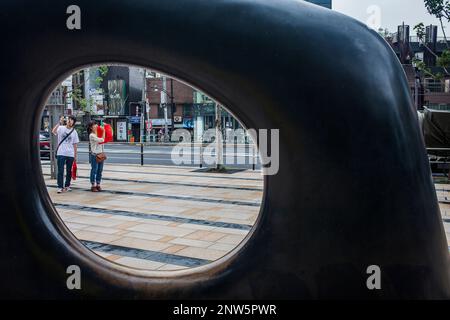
pixel 44 145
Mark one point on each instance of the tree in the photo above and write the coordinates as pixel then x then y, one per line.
pixel 77 91
pixel 441 61
pixel 441 10
pixel 385 33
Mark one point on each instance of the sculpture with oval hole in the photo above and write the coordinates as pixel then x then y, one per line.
pixel 353 189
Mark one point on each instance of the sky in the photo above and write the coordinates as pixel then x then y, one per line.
pixel 388 13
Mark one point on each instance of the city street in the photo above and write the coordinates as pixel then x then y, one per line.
pixel 234 157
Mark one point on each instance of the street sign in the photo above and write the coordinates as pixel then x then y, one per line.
pixel 135 120
pixel 148 124
pixel 121 130
pixel 161 122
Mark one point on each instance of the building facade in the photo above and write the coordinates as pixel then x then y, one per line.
pixel 139 106
pixel 123 87
pixel 191 110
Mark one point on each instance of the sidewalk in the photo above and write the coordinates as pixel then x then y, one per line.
pixel 160 217
pixel 443 194
pixel 167 217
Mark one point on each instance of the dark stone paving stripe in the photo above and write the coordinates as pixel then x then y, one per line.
pixel 176 174
pixel 155 216
pixel 145 254
pixel 173 183
pixel 185 175
pixel 152 195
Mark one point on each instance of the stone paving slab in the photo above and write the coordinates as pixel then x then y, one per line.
pixel 443 195
pixel 169 218
pixel 160 217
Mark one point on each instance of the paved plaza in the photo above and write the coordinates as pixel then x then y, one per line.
pixel 443 194
pixel 160 217
pixel 166 217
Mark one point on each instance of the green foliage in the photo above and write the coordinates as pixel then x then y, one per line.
pixel 420 31
pixel 419 64
pixel 385 33
pixel 77 92
pixel 438 8
pixel 77 96
pixel 423 67
pixel 80 130
pixel 441 10
pixel 444 59
pixel 103 70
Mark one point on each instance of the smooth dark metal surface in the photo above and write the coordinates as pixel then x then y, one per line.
pixel 354 186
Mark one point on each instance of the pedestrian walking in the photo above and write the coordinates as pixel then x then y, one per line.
pixel 97 156
pixel 66 152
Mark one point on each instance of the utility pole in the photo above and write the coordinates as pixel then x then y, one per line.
pixel 172 105
pixel 149 126
pixel 53 141
pixel 219 144
pixel 146 105
pixel 143 108
pixel 141 124
pixel 164 94
pixel 55 112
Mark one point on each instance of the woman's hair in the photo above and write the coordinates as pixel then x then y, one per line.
pixel 90 125
pixel 72 117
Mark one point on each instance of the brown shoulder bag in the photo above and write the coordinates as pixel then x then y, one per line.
pixel 100 157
